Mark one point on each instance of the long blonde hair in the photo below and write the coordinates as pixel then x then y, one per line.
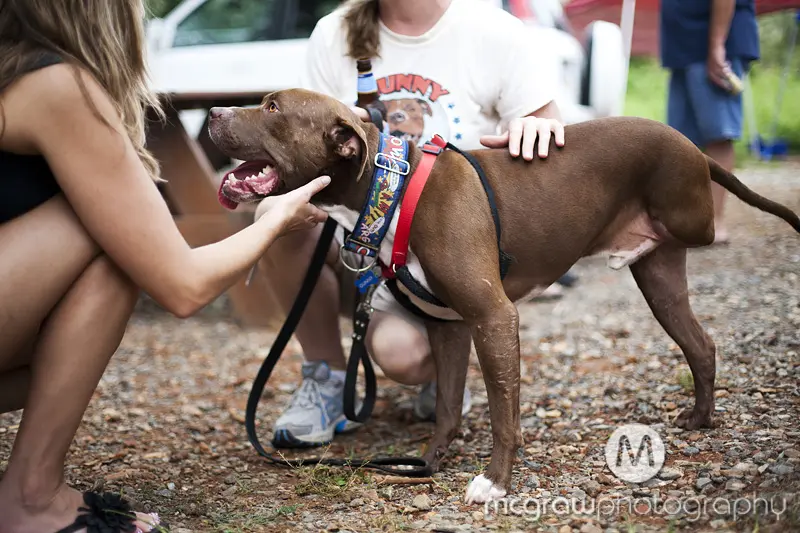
pixel 104 37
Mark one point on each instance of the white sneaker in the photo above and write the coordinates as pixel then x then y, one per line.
pixel 316 411
pixel 425 402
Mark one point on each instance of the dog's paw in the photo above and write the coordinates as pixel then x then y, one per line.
pixel 690 420
pixel 481 489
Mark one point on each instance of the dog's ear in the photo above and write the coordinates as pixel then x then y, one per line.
pixel 349 141
pixel 426 107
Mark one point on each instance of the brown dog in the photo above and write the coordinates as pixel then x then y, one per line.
pixel 406 117
pixel 644 199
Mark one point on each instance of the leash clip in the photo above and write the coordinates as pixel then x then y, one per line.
pixel 355 269
pixel 403 171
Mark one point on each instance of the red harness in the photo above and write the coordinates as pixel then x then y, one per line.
pixel 409 204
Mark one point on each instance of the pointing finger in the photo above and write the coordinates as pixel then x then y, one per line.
pixel 313 187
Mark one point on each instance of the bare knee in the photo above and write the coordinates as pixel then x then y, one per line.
pixel 106 282
pixel 401 350
pixel 294 248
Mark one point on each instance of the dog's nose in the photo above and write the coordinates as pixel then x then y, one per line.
pixel 220 112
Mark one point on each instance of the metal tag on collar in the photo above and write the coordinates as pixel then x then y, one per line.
pixel 366 280
pixel 403 171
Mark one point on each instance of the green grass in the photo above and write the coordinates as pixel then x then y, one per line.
pixel 647 97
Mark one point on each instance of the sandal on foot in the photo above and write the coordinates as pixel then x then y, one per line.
pixel 109 513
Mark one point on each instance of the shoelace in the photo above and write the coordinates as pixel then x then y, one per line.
pixel 307 396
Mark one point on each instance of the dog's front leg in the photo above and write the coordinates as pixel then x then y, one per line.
pixel 496 336
pixel 450 348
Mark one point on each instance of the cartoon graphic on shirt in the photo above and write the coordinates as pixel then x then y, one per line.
pixel 418 107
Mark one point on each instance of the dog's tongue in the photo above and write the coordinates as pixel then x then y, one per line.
pixel 244 181
pixel 224 200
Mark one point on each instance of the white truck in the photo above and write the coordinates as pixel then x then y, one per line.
pixel 259 46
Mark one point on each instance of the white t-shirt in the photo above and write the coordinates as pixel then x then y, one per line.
pixel 468 76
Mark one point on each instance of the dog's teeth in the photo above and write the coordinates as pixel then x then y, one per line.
pixel 266 169
pixel 232 178
pixel 262 175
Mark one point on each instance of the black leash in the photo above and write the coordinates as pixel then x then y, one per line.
pixel 403 466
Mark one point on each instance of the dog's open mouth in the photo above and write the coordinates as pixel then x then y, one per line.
pixel 250 181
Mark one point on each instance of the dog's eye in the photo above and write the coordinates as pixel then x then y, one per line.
pixel 273 108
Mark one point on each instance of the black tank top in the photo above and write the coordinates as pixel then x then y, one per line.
pixel 26 181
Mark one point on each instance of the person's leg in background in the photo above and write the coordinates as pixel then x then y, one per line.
pixel 315 411
pixel 398 343
pixel 719 121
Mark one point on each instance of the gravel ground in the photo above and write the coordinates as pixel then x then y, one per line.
pixel 166 423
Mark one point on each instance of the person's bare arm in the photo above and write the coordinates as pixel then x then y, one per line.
pixel 107 186
pixel 721 16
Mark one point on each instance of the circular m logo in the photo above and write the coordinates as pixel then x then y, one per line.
pixel 635 453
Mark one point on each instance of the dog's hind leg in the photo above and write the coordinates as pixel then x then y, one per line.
pixel 661 276
pixel 496 336
pixel 450 348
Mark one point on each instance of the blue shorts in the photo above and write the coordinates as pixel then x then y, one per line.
pixel 701 110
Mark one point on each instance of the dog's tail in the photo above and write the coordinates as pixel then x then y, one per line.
pixel 748 196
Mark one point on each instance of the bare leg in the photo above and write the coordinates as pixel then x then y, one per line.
pixel 73 316
pixel 661 276
pixel 722 152
pixel 318 330
pixel 450 343
pixel 400 349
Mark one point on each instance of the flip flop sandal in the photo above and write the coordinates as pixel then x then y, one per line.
pixel 108 513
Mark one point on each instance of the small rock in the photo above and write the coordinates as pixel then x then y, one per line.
pixel 230 479
pixel 422 502
pixel 372 494
pixel 702 482
pixel 719 523
pixel 357 502
pixel 791 453
pixel 171 486
pixel 591 528
pixel 191 410
pixel 533 482
pixel 477 516
pixel 735 485
pixel 669 474
pixel 760 457
pixel 690 450
pixel 565 529
pixel 112 415
pixel 164 493
pixel 606 480
pixel 763 468
pixel 592 488
pixel 782 470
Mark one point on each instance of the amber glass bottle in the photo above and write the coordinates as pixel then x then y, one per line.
pixel 368 97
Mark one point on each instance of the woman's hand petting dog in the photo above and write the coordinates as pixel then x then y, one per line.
pixel 293 211
pixel 522 133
